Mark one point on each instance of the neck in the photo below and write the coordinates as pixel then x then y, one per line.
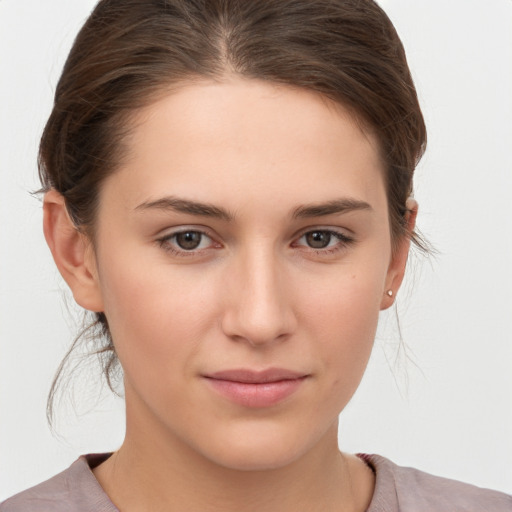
pixel 155 471
pixel 177 479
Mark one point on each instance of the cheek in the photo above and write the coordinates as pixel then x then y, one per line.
pixel 346 301
pixel 343 321
pixel 157 317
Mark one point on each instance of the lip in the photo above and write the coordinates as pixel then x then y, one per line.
pixel 256 389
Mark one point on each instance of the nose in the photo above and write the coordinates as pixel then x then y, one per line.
pixel 258 301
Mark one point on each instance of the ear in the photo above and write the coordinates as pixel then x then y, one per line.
pixel 396 269
pixel 72 251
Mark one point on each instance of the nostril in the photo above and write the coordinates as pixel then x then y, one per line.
pixel 258 328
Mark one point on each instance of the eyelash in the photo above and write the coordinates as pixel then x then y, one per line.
pixel 166 243
pixel 344 241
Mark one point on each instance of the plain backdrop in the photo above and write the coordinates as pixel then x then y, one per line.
pixel 442 404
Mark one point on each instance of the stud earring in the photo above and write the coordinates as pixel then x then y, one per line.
pixel 390 293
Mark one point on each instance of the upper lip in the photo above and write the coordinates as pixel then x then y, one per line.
pixel 256 376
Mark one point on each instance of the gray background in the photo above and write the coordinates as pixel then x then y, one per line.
pixel 449 409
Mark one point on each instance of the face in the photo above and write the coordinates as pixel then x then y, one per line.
pixel 242 256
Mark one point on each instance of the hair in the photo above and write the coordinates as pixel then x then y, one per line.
pixel 131 52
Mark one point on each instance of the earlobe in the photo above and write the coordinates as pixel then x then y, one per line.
pixel 72 252
pixel 396 269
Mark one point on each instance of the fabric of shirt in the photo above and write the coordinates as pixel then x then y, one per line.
pixel 397 489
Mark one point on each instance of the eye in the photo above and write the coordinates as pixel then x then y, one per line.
pixel 189 240
pixel 186 241
pixel 324 240
pixel 318 239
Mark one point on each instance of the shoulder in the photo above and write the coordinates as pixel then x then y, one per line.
pixel 403 489
pixel 75 489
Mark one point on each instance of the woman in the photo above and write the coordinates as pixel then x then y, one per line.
pixel 228 187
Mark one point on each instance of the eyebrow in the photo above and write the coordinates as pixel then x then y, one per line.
pixel 343 205
pixel 175 204
pixel 187 206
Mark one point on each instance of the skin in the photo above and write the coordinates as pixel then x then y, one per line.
pixel 254 294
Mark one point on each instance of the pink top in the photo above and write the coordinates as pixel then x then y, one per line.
pixel 397 489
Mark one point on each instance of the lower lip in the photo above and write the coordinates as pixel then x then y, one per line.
pixel 256 395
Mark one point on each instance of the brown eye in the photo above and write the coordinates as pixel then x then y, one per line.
pixel 189 240
pixel 318 239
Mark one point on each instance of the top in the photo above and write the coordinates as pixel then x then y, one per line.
pixel 397 489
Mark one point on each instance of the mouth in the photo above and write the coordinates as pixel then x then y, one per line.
pixel 256 389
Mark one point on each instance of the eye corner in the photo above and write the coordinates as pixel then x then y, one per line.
pixel 187 241
pixel 325 236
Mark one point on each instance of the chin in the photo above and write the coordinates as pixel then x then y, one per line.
pixel 260 447
pixel 257 458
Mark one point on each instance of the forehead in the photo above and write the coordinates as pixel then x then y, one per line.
pixel 253 138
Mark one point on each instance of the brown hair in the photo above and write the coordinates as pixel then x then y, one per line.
pixel 130 51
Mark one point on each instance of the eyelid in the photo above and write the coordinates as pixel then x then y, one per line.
pixel 181 228
pixel 344 240
pixel 164 240
pixel 335 230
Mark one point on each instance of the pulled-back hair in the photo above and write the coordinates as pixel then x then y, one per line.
pixel 131 52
